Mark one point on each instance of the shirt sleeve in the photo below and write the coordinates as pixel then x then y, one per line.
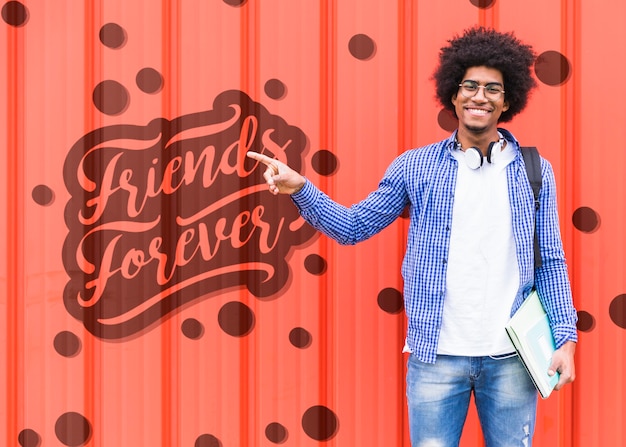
pixel 551 279
pixel 349 225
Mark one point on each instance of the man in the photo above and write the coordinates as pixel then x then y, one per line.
pixel 469 262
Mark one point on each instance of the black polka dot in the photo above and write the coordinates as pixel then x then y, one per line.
pixel 110 97
pixel 72 429
pixel 236 319
pixel 362 46
pixel 235 2
pixel 617 311
pixel 276 433
pixel 29 438
pixel 275 89
pixel 149 80
pixel 483 4
pixel 315 264
pixel 447 121
pixel 207 441
pixel 319 423
pixel 406 212
pixel 586 220
pixel 192 328
pixel 15 14
pixel 43 195
pixel 324 162
pixel 552 68
pixel 300 337
pixel 112 36
pixel 586 322
pixel 390 300
pixel 67 344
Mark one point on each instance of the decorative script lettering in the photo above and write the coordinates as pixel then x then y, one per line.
pixel 166 213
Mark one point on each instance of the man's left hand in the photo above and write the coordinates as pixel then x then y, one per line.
pixel 563 362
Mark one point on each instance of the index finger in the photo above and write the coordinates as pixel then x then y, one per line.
pixel 261 157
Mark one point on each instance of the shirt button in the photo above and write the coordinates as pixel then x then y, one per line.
pixel 445 261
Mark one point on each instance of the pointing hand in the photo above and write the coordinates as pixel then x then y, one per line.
pixel 280 178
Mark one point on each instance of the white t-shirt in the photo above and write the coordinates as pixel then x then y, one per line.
pixel 483 273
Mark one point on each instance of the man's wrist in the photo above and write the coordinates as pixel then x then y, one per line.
pixel 299 188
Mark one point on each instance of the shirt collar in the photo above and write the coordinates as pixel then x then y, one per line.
pixel 508 136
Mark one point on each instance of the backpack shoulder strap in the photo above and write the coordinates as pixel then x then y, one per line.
pixel 533 171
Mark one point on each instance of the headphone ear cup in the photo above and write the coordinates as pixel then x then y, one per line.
pixel 473 157
pixel 492 150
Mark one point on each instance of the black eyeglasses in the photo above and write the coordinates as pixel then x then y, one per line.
pixel 492 91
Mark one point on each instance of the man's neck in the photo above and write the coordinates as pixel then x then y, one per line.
pixel 480 140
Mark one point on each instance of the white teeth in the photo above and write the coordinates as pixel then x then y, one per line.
pixel 478 111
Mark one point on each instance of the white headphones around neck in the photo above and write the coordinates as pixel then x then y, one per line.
pixel 474 157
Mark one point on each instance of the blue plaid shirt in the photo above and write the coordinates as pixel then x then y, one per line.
pixel 425 179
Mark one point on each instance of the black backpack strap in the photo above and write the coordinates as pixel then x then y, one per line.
pixel 533 171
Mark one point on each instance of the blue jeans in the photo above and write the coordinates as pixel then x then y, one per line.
pixel 438 397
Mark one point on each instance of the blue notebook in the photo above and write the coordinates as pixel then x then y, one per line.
pixel 531 335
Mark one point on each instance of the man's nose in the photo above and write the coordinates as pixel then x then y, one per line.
pixel 480 94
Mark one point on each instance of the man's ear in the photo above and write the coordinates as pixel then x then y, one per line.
pixel 505 106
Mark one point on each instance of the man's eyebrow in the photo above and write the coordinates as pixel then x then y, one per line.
pixel 488 83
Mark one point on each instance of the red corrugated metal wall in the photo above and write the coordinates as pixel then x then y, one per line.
pixel 153 293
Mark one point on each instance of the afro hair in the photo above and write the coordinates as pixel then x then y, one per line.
pixel 480 46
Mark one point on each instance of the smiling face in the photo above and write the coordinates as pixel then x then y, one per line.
pixel 478 116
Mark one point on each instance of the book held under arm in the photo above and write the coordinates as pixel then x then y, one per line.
pixel 531 335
